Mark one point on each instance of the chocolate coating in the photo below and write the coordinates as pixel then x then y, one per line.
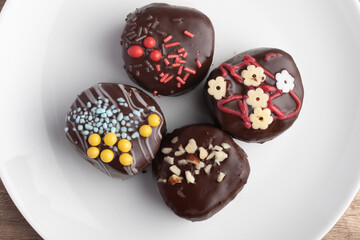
pixel 288 103
pixel 122 109
pixel 202 199
pixel 189 29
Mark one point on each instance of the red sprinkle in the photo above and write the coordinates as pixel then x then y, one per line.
pixel 166 61
pixel 176 64
pixel 186 76
pixel 198 63
pixel 161 74
pixel 164 77
pixel 172 56
pixel 158 67
pixel 154 93
pixel 180 80
pixel 190 70
pixel 179 85
pixel 168 79
pixel 167 38
pixel 185 54
pixel 182 61
pixel 180 70
pixel 180 50
pixel 189 34
pixel 172 44
pixel 177 60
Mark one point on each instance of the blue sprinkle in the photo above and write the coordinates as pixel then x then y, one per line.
pixel 96 101
pixel 128 138
pixel 80 127
pixel 74 129
pixel 100 110
pixel 136 122
pixel 88 127
pixel 97 119
pixel 66 129
pixel 110 125
pixel 114 121
pixel 77 119
pixel 131 121
pixel 135 135
pixel 82 116
pixel 137 113
pixel 90 117
pixel 123 135
pixel 88 104
pixel 107 120
pixel 120 117
pixel 93 109
pixel 79 109
pixel 121 100
pixel 101 120
pixel 121 104
pixel 82 121
pixel 100 102
pixel 106 100
pixel 103 115
pixel 123 122
pixel 85 113
pixel 123 129
pixel 126 118
pixel 68 118
pixel 74 116
pixel 112 107
pixel 152 108
pixel 116 149
pixel 114 111
pixel 101 131
pixel 105 125
pixel 137 126
pixel 126 105
pixel 128 124
pixel 141 110
pixel 118 135
pixel 98 124
pixel 131 115
pixel 96 129
pixel 109 113
pixel 130 129
pixel 85 132
pixel 113 129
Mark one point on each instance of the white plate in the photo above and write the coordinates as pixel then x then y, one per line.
pixel 300 183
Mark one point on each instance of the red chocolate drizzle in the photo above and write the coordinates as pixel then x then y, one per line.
pixel 270 55
pixel 272 91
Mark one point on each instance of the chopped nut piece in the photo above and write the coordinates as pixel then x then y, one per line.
pixel 181 148
pixel 220 156
pixel 174 179
pixel 203 153
pixel 191 158
pixel 226 145
pixel 197 172
pixel 217 148
pixel 166 150
pixel 220 176
pixel 217 162
pixel 178 153
pixel 182 162
pixel 162 180
pixel 174 140
pixel 169 160
pixel 175 170
pixel 189 177
pixel 211 155
pixel 191 147
pixel 210 147
pixel 207 169
pixel 200 165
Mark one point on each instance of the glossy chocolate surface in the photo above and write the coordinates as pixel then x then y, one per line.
pixel 202 199
pixel 122 109
pixel 191 37
pixel 275 61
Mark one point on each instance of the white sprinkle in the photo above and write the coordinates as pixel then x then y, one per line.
pixel 220 176
pixel 175 170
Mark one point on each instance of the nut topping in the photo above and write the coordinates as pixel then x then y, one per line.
pixel 220 176
pixel 169 160
pixel 191 147
pixel 162 180
pixel 225 145
pixel 207 169
pixel 166 150
pixel 189 177
pixel 174 140
pixel 202 153
pixel 174 179
pixel 175 170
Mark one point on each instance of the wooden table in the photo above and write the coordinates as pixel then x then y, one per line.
pixel 14 226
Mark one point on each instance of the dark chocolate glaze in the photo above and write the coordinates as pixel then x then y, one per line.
pixel 206 197
pixel 234 124
pixel 160 20
pixel 143 149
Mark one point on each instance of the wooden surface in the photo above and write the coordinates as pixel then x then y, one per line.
pixel 14 226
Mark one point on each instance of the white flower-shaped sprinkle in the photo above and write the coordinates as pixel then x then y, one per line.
pixel 217 88
pixel 253 76
pixel 261 118
pixel 257 98
pixel 285 82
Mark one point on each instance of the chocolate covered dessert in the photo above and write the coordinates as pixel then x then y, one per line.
pixel 198 170
pixel 256 95
pixel 115 127
pixel 167 49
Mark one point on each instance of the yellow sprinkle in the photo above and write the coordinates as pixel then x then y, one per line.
pixel 110 139
pixel 93 152
pixel 94 139
pixel 154 120
pixel 107 155
pixel 145 130
pixel 124 145
pixel 126 159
